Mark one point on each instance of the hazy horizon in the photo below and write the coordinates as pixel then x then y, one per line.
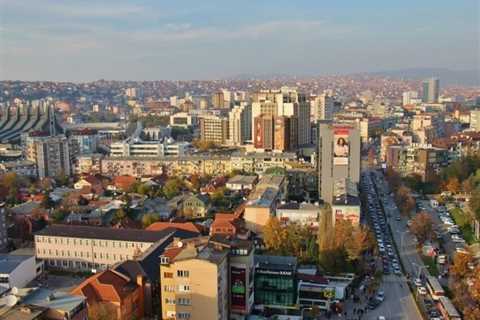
pixel 154 40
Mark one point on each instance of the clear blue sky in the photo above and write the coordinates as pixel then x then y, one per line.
pixel 202 39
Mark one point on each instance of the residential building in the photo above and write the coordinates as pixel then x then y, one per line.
pixel 285 133
pixel 140 148
pixel 228 224
pixel 240 124
pixel 262 202
pixel 83 141
pixel 194 280
pixel 51 154
pixel 214 129
pixel 122 297
pixel 409 97
pixel 193 206
pixel 338 157
pixel 475 119
pixel 21 167
pixel 3 229
pixel 85 248
pixel 346 207
pixel 431 90
pixel 240 182
pixel 240 274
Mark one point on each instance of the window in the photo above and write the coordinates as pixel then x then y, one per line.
pixel 183 315
pixel 184 288
pixel 169 301
pixel 183 273
pixel 164 260
pixel 169 288
pixel 168 275
pixel 184 301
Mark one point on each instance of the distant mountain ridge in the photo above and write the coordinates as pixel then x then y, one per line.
pixel 446 76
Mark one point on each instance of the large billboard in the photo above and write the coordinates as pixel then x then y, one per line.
pixel 341 146
pixel 238 289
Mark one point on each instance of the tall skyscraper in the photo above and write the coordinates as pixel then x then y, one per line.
pixel 338 157
pixel 285 133
pixel 51 154
pixel 240 124
pixel 431 90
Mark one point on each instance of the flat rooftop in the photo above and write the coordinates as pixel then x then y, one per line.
pixel 8 262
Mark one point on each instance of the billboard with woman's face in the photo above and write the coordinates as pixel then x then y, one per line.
pixel 341 147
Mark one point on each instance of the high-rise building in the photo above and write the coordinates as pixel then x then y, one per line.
pixel 240 124
pixel 284 102
pixel 194 280
pixel 338 157
pixel 264 132
pixel 214 129
pixel 408 97
pixel 50 153
pixel 323 107
pixel 431 90
pixel 285 136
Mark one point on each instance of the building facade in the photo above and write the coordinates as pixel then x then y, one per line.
pixel 51 154
pixel 214 129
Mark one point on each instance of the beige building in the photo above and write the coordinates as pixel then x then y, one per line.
pixel 194 280
pixel 214 129
pixel 83 248
pixel 263 201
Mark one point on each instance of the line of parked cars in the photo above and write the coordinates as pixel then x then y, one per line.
pixel 452 229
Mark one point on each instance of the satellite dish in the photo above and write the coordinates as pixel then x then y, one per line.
pixel 180 244
pixel 14 290
pixel 10 300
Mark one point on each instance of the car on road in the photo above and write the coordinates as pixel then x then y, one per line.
pixel 380 296
pixel 422 291
pixel 381 318
pixel 418 282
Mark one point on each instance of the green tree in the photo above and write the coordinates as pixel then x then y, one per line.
pixel 149 218
pixel 172 188
pixel 274 235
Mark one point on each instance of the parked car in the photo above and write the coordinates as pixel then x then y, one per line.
pixel 422 291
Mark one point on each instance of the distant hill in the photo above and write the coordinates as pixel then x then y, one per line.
pixel 446 76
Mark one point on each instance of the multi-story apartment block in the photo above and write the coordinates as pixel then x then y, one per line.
pixel 240 124
pixel 194 280
pixel 51 154
pixel 139 148
pixel 214 129
pixel 87 248
pixel 431 90
pixel 83 141
pixel 322 107
pixel 3 229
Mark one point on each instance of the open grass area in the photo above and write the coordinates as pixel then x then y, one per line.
pixel 463 222
pixel 430 263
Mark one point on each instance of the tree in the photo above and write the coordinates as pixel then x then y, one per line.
pixel 358 243
pixel 404 200
pixel 459 267
pixel 422 227
pixel 58 215
pixel 149 218
pixel 468 185
pixel 203 145
pixel 274 235
pixel 393 179
pixel 195 181
pixel 474 204
pixel 172 188
pixel 453 185
pixel 120 214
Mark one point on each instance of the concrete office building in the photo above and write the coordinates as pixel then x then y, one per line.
pixel 214 129
pixel 338 157
pixel 50 153
pixel 139 148
pixel 285 133
pixel 194 280
pixel 83 248
pixel 431 90
pixel 240 124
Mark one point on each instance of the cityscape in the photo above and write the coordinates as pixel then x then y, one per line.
pixel 198 161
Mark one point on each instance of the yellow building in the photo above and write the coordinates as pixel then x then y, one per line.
pixel 194 280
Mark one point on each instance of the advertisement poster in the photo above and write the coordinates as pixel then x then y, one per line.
pixel 238 288
pixel 341 147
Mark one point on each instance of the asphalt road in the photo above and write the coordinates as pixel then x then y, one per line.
pixel 399 302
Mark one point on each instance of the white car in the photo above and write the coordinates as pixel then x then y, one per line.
pixel 422 291
pixel 418 282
